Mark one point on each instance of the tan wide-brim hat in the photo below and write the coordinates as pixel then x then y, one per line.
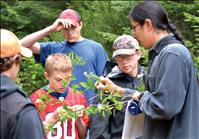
pixel 10 45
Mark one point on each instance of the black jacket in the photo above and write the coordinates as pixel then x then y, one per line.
pixel 111 126
pixel 19 117
pixel 171 105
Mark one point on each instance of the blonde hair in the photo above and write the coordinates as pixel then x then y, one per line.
pixel 58 62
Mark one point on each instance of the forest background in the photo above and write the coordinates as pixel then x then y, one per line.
pixel 103 22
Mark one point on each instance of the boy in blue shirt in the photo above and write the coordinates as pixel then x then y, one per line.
pixel 85 54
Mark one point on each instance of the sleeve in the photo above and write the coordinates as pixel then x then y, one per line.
pixel 29 124
pixel 45 50
pixel 101 59
pixel 168 96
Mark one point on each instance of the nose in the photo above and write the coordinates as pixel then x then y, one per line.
pixel 124 62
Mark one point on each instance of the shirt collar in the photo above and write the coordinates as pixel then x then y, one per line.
pixel 162 43
pixel 56 94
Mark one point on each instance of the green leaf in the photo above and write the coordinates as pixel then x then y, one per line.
pixel 118 106
pixel 42 107
pixel 83 84
pixel 93 109
pixel 87 111
pixel 90 83
pixel 65 107
pixel 75 87
pixel 43 97
pixel 109 97
pixel 50 126
pixel 64 83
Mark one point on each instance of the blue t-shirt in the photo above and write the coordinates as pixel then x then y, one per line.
pixel 86 56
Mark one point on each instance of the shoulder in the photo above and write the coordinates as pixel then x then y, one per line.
pixel 17 98
pixel 179 50
pixel 37 93
pixel 16 102
pixel 92 42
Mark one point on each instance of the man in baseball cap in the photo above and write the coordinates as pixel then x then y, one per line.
pixel 72 16
pixel 19 117
pixel 91 55
pixel 125 73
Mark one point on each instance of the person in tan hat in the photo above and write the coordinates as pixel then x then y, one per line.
pixel 85 54
pixel 126 73
pixel 19 117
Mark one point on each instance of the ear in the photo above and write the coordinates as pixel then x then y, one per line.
pixel 81 24
pixel 139 53
pixel 17 59
pixel 149 25
pixel 46 75
pixel 16 56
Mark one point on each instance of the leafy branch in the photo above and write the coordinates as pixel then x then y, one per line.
pixel 103 108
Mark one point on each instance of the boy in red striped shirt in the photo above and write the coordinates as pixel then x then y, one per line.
pixel 58 69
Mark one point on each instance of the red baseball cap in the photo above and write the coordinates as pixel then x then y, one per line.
pixel 71 15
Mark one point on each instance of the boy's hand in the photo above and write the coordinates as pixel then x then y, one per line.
pixel 136 96
pixel 51 119
pixel 60 24
pixel 79 109
pixel 107 85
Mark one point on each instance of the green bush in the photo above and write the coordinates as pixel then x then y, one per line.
pixel 31 76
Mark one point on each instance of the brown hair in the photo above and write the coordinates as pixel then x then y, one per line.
pixel 6 63
pixel 58 62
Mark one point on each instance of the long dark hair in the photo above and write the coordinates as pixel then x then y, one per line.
pixel 156 13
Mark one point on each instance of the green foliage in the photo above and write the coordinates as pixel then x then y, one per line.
pixel 104 108
pixel 193 20
pixel 50 126
pixel 31 76
pixel 188 12
pixel 193 46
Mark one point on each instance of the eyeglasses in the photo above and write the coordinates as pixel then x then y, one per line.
pixel 134 27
